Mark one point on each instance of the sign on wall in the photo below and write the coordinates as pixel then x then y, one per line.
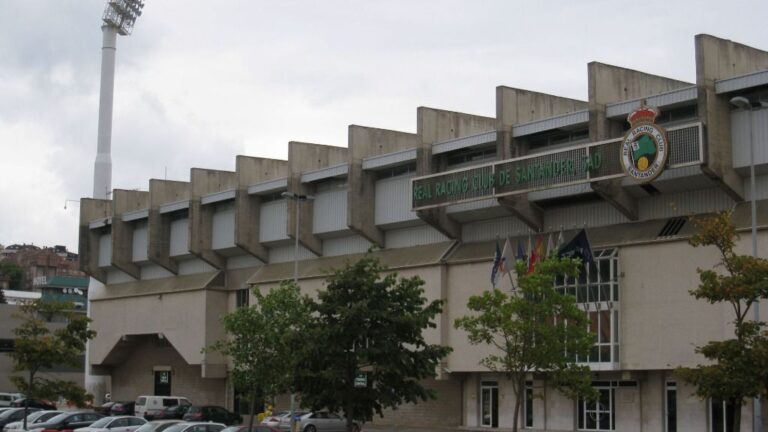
pixel 579 164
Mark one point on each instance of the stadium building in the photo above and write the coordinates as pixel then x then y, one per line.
pixel 174 258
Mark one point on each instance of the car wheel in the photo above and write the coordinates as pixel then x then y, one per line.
pixel 310 428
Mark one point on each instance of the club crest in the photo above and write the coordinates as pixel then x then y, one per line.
pixel 645 148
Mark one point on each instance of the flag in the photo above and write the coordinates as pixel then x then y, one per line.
pixel 550 246
pixel 521 255
pixel 578 247
pixel 560 240
pixel 496 265
pixel 531 255
pixel 507 257
pixel 541 253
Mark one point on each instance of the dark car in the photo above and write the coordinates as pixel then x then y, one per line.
pixel 34 403
pixel 68 421
pixel 105 409
pixel 13 415
pixel 123 408
pixel 255 428
pixel 212 413
pixel 172 412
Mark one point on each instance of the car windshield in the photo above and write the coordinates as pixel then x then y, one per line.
pixel 7 414
pixel 46 415
pixel 100 423
pixel 163 426
pixel 35 415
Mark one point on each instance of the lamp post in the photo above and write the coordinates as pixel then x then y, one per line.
pixel 744 103
pixel 297 199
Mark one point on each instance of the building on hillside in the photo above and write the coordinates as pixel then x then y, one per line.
pixel 15 297
pixel 172 260
pixel 63 288
pixel 45 262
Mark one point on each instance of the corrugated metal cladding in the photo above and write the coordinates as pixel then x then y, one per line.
pixel 285 253
pixel 243 261
pixel 105 250
pixel 179 237
pixel 273 221
pixel 139 241
pixel 490 229
pixel 223 232
pixel 153 271
pixel 754 79
pixel 193 266
pixel 660 100
pixel 592 214
pixel 115 276
pixel 468 141
pixel 413 236
pixel 761 186
pixel 330 210
pixel 345 245
pixel 393 200
pixel 560 121
pixel 684 203
pixel 740 137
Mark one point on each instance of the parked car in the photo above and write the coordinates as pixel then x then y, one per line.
pixel 212 413
pixel 255 428
pixel 149 406
pixel 32 420
pixel 34 403
pixel 127 408
pixel 274 419
pixel 68 421
pixel 13 415
pixel 172 412
pixel 7 398
pixel 319 421
pixel 196 427
pixel 157 425
pixel 105 408
pixel 114 424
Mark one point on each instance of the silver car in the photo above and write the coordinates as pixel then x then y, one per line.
pixel 114 424
pixel 319 421
pixel 196 427
pixel 32 419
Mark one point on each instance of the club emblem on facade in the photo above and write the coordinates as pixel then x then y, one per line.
pixel 645 148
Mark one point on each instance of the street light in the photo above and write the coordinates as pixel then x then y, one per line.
pixel 744 103
pixel 298 199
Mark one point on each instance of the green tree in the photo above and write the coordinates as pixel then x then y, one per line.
pixel 259 339
pixel 13 272
pixel 366 323
pixel 535 329
pixel 738 367
pixel 41 344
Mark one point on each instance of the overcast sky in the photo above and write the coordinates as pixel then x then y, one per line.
pixel 201 82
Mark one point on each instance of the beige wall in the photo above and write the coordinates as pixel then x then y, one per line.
pixel 135 376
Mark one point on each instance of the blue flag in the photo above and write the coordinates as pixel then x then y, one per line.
pixel 496 265
pixel 521 256
pixel 578 247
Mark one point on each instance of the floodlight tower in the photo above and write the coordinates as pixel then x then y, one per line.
pixel 119 18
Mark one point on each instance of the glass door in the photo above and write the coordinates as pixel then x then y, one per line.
pixel 489 404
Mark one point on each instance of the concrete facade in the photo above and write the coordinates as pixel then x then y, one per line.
pixel 210 239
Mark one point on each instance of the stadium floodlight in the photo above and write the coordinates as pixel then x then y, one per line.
pixel 122 14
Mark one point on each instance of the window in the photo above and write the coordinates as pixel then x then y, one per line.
pixel 721 416
pixel 556 139
pixel 489 404
pixel 470 156
pixel 597 293
pixel 396 171
pixel 671 407
pixel 243 298
pixel 7 345
pixel 599 415
pixel 528 401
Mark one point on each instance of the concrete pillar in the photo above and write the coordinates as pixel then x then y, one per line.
pixel 365 142
pixel 304 157
pixel 249 171
pixel 718 59
pixel 159 225
pixel 516 106
pixel 433 126
pixel 609 84
pixel 204 182
pixel 88 248
pixel 122 232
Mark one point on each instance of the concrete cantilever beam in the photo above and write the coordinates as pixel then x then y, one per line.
pixel 205 182
pixel 435 125
pixel 364 142
pixel 91 210
pixel 122 232
pixel 159 225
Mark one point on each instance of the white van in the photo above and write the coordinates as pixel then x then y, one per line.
pixel 7 398
pixel 148 406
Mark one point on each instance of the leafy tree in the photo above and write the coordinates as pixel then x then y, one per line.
pixel 259 339
pixel 535 329
pixel 41 344
pixel 366 323
pixel 13 272
pixel 739 366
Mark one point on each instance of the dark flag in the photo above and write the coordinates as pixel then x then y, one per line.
pixel 578 247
